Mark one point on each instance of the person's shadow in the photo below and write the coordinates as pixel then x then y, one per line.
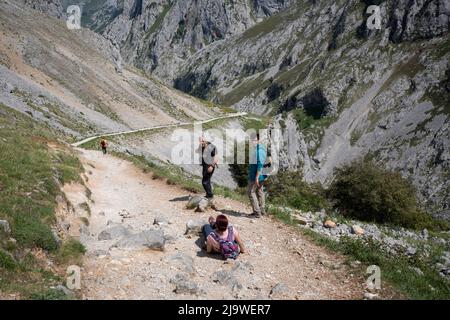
pixel 235 213
pixel 179 199
pixel 202 253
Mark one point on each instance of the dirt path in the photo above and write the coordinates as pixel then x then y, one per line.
pixel 278 255
pixel 229 116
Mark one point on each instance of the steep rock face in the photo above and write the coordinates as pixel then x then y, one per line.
pixel 418 19
pixel 382 94
pixel 158 36
pixel 53 8
pixel 301 41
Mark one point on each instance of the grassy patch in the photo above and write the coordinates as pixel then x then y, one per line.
pixel 70 252
pixel 7 262
pixel 157 24
pixel 31 174
pixel 174 175
pixel 289 189
pixel 397 271
pixel 28 278
pixel 85 206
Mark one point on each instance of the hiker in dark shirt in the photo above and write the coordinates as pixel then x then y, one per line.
pixel 103 145
pixel 209 164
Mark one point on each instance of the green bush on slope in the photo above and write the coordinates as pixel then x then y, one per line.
pixel 366 192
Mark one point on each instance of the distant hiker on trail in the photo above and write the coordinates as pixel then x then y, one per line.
pixel 103 145
pixel 223 238
pixel 209 161
pixel 256 177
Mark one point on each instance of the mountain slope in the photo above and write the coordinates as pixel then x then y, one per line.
pixel 338 90
pixel 73 80
pixel 385 92
pixel 159 36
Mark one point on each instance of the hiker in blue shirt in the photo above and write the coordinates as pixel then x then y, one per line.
pixel 256 177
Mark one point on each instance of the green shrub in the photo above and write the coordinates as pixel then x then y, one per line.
pixel 6 261
pixel 239 171
pixel 68 167
pixel 71 251
pixel 49 294
pixel 289 189
pixel 31 231
pixel 366 192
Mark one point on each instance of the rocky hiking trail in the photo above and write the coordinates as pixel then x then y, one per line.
pixel 138 246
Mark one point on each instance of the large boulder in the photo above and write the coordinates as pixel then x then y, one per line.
pixel 152 239
pixel 357 230
pixel 279 291
pixel 329 224
pixel 113 232
pixel 194 202
pixel 183 285
pixel 194 226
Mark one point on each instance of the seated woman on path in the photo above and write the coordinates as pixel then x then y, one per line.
pixel 222 238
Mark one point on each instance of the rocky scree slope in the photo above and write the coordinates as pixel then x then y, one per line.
pixel 158 36
pixel 74 81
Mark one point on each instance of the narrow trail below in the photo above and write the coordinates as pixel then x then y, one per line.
pixel 281 263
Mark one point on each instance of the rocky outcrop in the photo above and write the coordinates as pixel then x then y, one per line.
pixel 113 232
pixel 159 36
pixel 418 19
pixel 54 8
pixel 151 239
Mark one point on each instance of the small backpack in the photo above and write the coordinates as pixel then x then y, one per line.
pixel 228 248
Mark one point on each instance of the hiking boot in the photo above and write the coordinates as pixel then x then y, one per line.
pixel 255 215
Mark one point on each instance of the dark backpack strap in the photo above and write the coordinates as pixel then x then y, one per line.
pixel 230 234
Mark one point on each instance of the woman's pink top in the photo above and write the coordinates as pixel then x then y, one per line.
pixel 215 245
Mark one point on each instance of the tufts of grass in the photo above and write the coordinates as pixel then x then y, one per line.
pixel 7 262
pixel 396 270
pixel 289 189
pixel 49 294
pixel 31 174
pixel 70 252
pixel 85 206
